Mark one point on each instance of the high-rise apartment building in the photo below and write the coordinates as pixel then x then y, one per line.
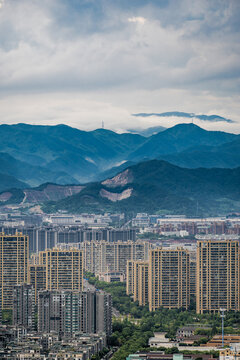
pixel 23 305
pixel 217 275
pixel 137 280
pixel 192 275
pixel 103 313
pixel 91 251
pixel 50 311
pixel 14 254
pixel 47 237
pixel 113 256
pixel 64 268
pixel 0 305
pixel 130 277
pixel 168 278
pixel 143 282
pixel 37 278
pixel 67 312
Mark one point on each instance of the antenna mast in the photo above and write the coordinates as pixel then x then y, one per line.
pixel 102 124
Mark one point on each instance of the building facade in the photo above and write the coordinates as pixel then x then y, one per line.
pixel 168 278
pixel 192 271
pixel 37 278
pixel 14 255
pixel 106 257
pixel 64 268
pixel 129 277
pixel 68 312
pixel 217 275
pixel 23 306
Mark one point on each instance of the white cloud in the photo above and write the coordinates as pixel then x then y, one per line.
pixel 137 19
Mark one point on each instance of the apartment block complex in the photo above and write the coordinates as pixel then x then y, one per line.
pixel 104 257
pixel 23 306
pixel 217 275
pixel 168 279
pixel 67 312
pixel 47 237
pixel 14 255
pixel 64 268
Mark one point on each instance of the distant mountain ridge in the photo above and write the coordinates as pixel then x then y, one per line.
pixel 147 132
pixel 35 154
pixel 65 150
pixel 156 185
pixel 179 138
pixel 33 175
pixel 45 192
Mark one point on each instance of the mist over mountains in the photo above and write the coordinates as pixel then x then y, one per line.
pixel 31 155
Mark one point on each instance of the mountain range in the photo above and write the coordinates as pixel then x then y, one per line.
pixel 31 155
pixel 157 186
pixel 149 186
pixel 34 154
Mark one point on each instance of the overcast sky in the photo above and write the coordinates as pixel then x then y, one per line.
pixel 81 62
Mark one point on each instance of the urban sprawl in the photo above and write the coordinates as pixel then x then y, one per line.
pixel 58 274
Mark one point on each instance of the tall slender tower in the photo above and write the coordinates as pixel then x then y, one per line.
pixel 37 278
pixel 217 275
pixel 14 254
pixel 140 282
pixel 168 278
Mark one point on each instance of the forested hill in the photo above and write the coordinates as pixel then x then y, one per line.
pixel 155 186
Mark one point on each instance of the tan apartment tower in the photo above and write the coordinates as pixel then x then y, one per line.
pixel 14 254
pixel 64 268
pixel 140 287
pixel 168 278
pixel 129 277
pixel 217 275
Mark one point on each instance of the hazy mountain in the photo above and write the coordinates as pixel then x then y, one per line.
pixel 32 175
pixel 61 148
pixel 114 170
pixel 60 154
pixel 222 156
pixel 179 138
pixel 8 182
pixel 157 185
pixel 147 132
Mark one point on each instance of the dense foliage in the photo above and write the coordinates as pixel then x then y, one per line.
pixel 133 331
pixel 7 317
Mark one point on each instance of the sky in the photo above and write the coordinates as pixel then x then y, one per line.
pixel 82 62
